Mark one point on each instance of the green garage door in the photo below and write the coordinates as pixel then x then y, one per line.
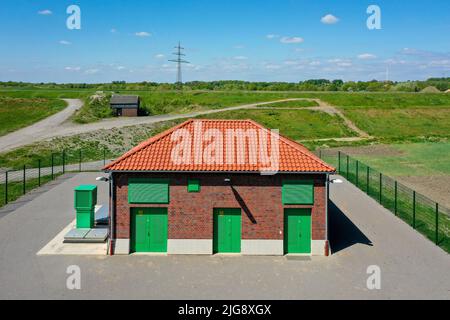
pixel 149 230
pixel 227 230
pixel 297 231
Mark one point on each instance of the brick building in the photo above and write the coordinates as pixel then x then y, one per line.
pixel 204 188
pixel 125 106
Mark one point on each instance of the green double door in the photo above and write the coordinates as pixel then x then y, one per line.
pixel 297 231
pixel 227 230
pixel 149 230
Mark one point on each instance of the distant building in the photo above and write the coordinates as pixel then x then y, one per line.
pixel 125 106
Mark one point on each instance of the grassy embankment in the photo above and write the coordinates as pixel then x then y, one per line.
pixel 17 113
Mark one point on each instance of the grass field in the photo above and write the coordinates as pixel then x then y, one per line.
pixel 295 124
pixel 424 167
pixel 17 113
pixel 291 104
pixel 419 159
pixel 381 100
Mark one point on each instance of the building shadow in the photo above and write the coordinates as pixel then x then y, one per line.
pixel 343 233
pixel 243 205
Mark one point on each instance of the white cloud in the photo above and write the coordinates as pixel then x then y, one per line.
pixel 45 12
pixel 143 34
pixel 290 40
pixel 329 19
pixel 291 62
pixel 120 68
pixel 92 71
pixel 344 64
pixel 240 58
pixel 239 47
pixel 367 56
pixel 72 68
pixel 160 56
pixel 315 63
pixel 65 42
pixel 271 66
pixel 113 30
pixel 272 36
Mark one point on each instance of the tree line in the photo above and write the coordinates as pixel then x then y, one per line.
pixel 442 84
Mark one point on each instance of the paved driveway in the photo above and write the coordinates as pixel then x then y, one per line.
pixel 363 234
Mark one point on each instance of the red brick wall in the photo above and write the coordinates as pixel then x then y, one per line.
pixel 191 214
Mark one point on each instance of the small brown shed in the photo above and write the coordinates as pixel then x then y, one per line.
pixel 125 106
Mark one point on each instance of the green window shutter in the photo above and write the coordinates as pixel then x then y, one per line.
pixel 194 186
pixel 148 191
pixel 298 192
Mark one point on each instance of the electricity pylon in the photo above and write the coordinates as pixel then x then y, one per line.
pixel 179 60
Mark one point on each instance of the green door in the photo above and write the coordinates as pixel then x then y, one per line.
pixel 297 231
pixel 227 230
pixel 149 230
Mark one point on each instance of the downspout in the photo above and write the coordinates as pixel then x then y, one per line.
pixel 327 203
pixel 112 206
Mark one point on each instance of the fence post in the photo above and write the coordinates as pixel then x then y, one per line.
pixel 64 161
pixel 437 224
pixel 414 210
pixel 24 180
pixel 381 188
pixel 39 172
pixel 396 198
pixel 348 166
pixel 80 160
pixel 357 174
pixel 339 162
pixel 6 187
pixel 368 180
pixel 104 156
pixel 53 163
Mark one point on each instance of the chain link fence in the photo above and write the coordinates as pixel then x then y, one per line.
pixel 18 182
pixel 423 214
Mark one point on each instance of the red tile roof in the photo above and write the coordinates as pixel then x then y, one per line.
pixel 155 154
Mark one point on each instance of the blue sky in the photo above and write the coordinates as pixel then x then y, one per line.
pixel 255 40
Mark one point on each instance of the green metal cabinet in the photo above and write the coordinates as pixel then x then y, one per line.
pixel 85 202
pixel 297 231
pixel 227 230
pixel 85 218
pixel 149 230
pixel 85 197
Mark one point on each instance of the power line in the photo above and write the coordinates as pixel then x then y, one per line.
pixel 179 60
